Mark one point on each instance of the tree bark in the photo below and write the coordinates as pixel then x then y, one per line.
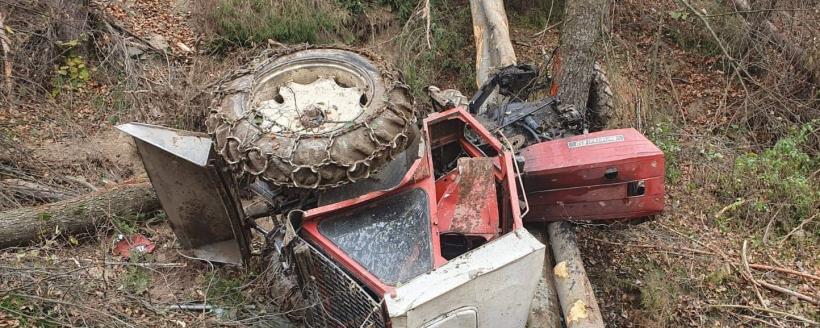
pixel 78 215
pixel 545 310
pixel 493 46
pixel 5 46
pixel 492 38
pixel 573 70
pixel 28 189
pixel 574 62
pixel 571 283
pixel 74 24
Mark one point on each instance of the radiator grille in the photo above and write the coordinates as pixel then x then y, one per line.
pixel 337 300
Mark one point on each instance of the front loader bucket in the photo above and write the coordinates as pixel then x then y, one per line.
pixel 197 192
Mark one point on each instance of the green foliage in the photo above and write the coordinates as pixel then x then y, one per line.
pixel 128 224
pixel 451 42
pixel 353 6
pixel 224 291
pixel 71 76
pixel 24 312
pixel 679 14
pixel 403 8
pixel 44 216
pixel 249 22
pixel 780 175
pixel 137 279
pixel 661 135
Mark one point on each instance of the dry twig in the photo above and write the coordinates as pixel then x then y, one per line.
pixel 788 292
pixel 5 45
pixel 795 229
pixel 748 274
pixel 785 314
pixel 784 270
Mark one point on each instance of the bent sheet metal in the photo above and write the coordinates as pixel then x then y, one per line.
pixel 199 198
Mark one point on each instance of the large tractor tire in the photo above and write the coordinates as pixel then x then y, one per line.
pixel 312 117
pixel 600 102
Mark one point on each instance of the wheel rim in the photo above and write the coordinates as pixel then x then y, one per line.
pixel 310 97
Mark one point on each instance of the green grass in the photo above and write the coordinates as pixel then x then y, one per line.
pixel 250 22
pixel 224 291
pixel 450 53
pixel 137 279
pixel 658 296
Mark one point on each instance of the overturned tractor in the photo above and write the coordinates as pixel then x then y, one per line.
pixel 386 219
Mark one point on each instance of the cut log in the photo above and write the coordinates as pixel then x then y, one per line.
pixel 78 215
pixel 574 290
pixel 545 310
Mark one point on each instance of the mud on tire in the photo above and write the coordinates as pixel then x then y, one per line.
pixel 600 102
pixel 267 122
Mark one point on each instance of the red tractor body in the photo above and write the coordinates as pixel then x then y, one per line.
pixel 598 176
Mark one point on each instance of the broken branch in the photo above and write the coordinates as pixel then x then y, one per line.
pixel 784 270
pixel 788 292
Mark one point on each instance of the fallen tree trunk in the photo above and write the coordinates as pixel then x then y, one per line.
pixel 545 310
pixel 77 215
pixel 571 283
pixel 493 46
pixel 492 38
pixel 28 189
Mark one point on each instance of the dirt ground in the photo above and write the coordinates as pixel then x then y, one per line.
pixel 705 262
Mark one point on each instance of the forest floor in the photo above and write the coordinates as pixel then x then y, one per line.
pixel 705 262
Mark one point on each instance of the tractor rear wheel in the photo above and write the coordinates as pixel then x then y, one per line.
pixel 600 102
pixel 312 117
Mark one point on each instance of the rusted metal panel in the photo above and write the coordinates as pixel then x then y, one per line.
pixel 199 198
pixel 468 203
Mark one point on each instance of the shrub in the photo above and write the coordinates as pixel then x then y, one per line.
pixel 661 134
pixel 249 22
pixel 784 175
pixel 450 53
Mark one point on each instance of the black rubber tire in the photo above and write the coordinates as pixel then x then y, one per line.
pixel 600 105
pixel 324 160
